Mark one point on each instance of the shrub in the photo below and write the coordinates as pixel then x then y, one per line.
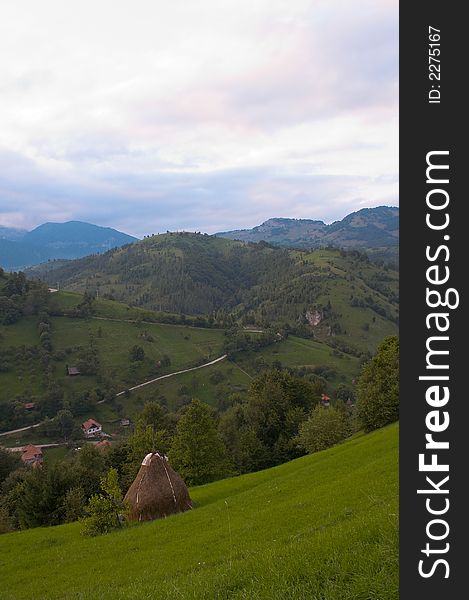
pixel 324 428
pixel 104 510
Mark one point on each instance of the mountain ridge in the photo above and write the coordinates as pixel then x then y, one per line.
pixel 20 249
pixel 369 229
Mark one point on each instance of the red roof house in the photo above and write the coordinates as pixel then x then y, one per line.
pixel 91 427
pixel 103 444
pixel 31 455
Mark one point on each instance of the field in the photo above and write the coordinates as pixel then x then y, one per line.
pixel 114 330
pixel 323 527
pixel 113 339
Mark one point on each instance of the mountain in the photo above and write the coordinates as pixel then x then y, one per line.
pixel 281 232
pixel 375 230
pixel 18 255
pixel 367 228
pixel 12 234
pixel 333 294
pixel 73 239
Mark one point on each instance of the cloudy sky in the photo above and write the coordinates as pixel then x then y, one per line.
pixel 148 115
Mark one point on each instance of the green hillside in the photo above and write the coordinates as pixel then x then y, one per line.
pixel 108 335
pixel 323 527
pixel 337 296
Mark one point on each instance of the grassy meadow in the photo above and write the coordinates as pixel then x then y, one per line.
pixel 322 527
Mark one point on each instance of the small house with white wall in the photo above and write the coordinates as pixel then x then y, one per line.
pixel 91 428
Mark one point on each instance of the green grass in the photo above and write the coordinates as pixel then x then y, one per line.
pixel 114 339
pixel 53 456
pixel 323 527
pixel 364 328
pixel 300 352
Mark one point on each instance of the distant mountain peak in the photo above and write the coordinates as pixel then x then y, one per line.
pixel 72 239
pixel 366 229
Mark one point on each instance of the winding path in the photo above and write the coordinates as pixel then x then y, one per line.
pixel 140 385
pixel 135 387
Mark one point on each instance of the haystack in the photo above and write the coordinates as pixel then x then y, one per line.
pixel 158 491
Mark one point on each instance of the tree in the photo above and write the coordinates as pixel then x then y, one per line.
pixel 42 496
pixel 378 387
pixel 137 353
pixel 153 414
pixel 165 361
pixel 344 393
pixel 65 422
pixel 198 453
pixel 324 428
pixel 9 462
pixel 6 520
pixel 52 402
pixel 104 509
pixel 277 404
pixel 248 452
pixel 74 504
pixel 86 307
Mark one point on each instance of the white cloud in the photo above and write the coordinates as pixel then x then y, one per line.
pixel 139 101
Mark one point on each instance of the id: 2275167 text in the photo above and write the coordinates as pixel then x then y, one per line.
pixel 434 66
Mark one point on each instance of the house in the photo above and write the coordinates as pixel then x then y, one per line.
pixel 125 422
pixel 103 444
pixel 325 400
pixel 91 428
pixel 72 371
pixel 32 455
pixel 29 405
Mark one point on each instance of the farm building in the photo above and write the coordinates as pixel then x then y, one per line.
pixel 103 445
pixel 91 428
pixel 32 455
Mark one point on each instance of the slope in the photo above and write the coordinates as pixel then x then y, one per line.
pixel 255 284
pixel 107 337
pixel 322 527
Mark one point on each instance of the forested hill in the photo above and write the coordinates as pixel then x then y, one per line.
pixel 328 292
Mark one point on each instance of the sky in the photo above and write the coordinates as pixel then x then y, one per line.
pixel 199 115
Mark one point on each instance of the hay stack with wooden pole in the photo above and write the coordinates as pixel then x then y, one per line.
pixel 157 492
